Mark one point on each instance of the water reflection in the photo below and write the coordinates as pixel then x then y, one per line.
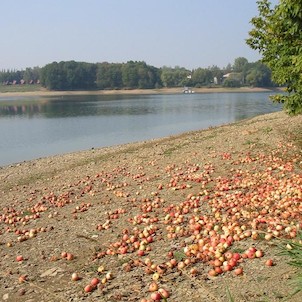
pixel 37 127
pixel 241 105
pixel 20 110
pixel 75 106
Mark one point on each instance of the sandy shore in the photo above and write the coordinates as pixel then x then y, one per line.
pixel 84 203
pixel 44 92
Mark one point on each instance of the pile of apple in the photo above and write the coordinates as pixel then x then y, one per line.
pixel 247 205
pixel 260 197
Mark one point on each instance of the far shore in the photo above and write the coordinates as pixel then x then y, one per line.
pixel 177 90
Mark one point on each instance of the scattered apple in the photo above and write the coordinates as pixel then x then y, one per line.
pixel 75 277
pixel 269 262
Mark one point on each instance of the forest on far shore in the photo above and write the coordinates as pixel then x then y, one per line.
pixel 72 75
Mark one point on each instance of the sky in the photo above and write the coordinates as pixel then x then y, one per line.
pixel 185 33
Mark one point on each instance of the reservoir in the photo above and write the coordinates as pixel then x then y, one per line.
pixel 34 127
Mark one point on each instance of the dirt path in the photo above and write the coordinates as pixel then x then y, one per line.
pixel 124 212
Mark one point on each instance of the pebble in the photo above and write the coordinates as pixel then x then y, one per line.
pixel 52 272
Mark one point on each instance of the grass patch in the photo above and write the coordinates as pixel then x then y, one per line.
pixel 261 236
pixel 293 250
pixel 20 88
pixel 278 295
pixel 209 136
pixel 170 150
pixel 179 256
pixel 26 213
pixel 238 250
pixel 123 261
pixel 176 147
pixel 267 130
pixel 90 269
pixel 249 142
pixel 261 278
pixel 229 295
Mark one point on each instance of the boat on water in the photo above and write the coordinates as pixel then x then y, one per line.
pixel 188 90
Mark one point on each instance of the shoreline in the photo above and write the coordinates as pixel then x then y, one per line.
pixel 177 90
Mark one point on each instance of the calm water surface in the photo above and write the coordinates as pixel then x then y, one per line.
pixel 37 127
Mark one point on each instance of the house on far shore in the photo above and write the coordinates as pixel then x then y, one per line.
pixel 227 75
pixel 22 82
pixel 233 77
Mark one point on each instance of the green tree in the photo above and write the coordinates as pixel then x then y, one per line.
pixel 232 82
pixel 239 68
pixel 257 75
pixel 277 35
pixel 228 68
pixel 68 75
pixel 148 76
pixel 239 64
pixel 130 75
pixel 31 75
pixel 202 77
pixel 216 73
pixel 175 77
pixel 11 75
pixel 167 76
pixel 109 76
pixel 86 76
pixel 52 76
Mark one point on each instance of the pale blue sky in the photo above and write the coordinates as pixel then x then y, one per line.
pixel 186 33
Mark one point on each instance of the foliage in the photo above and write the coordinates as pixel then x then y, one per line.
pixel 109 76
pixel 277 35
pixel 72 75
pixel 239 64
pixel 175 77
pixel 202 77
pixel 234 79
pixel 231 82
pixel 138 75
pixel 27 76
pixel 218 73
pixel 68 75
pixel 258 75
pixel 128 75
pixel 9 76
pixel 31 75
pixel 148 76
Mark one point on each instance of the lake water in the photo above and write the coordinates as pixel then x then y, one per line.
pixel 41 126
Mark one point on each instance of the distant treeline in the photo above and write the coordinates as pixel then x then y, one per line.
pixel 27 76
pixel 72 75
